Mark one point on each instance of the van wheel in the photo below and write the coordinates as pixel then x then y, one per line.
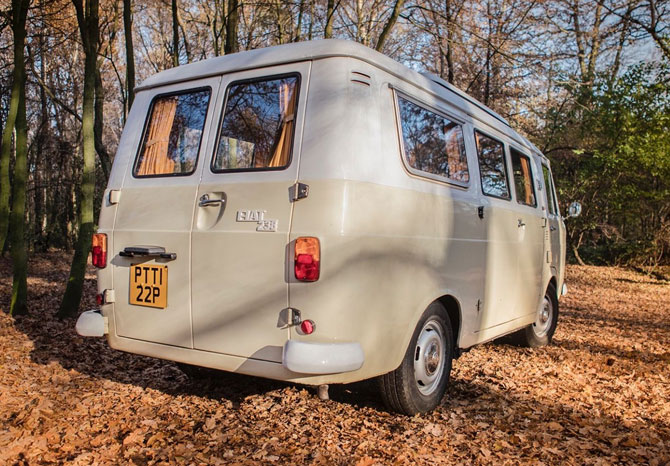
pixel 418 385
pixel 540 332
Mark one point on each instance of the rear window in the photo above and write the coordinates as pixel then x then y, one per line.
pixel 432 143
pixel 491 155
pixel 523 178
pixel 171 140
pixel 257 127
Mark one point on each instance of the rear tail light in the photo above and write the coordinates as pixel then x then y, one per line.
pixel 99 250
pixel 307 259
pixel 307 327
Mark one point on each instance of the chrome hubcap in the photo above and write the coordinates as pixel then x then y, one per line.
pixel 544 317
pixel 429 355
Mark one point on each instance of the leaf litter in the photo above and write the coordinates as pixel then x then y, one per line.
pixel 599 395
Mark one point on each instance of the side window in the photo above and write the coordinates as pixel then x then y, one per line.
pixel 172 137
pixel 523 178
pixel 549 190
pixel 257 126
pixel 491 154
pixel 432 143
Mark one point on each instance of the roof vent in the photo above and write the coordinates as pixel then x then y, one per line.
pixel 360 78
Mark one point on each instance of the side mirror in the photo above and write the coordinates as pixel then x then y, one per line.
pixel 575 209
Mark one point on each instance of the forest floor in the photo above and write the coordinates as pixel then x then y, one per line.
pixel 599 395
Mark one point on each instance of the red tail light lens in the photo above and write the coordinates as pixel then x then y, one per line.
pixel 307 327
pixel 307 259
pixel 99 250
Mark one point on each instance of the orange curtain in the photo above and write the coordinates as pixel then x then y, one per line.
pixel 155 160
pixel 287 107
pixel 527 180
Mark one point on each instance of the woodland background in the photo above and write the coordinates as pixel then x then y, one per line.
pixel 587 81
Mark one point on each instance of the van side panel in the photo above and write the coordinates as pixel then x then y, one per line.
pixel 391 243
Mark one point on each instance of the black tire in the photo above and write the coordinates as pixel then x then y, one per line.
pixel 540 332
pixel 410 389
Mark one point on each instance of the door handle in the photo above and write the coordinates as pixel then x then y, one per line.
pixel 521 223
pixel 205 201
pixel 147 251
pixel 552 228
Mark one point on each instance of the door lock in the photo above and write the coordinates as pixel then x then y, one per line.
pixel 521 223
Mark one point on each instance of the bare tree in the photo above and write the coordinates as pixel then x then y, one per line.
pixel 17 215
pixel 232 22
pixel 88 20
pixel 330 18
pixel 17 20
pixel 130 52
pixel 175 34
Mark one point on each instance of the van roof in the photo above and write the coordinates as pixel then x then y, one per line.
pixel 319 49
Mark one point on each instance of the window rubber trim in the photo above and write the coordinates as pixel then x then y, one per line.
pixel 532 179
pixel 215 149
pixel 414 171
pixel 479 165
pixel 146 127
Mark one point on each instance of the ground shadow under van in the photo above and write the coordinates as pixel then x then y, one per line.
pixel 55 341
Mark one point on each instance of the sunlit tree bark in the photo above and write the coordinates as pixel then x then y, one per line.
pixel 397 8
pixel 17 229
pixel 130 53
pixel 232 22
pixel 88 20
pixel 18 22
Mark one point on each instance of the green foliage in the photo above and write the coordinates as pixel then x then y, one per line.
pixel 619 167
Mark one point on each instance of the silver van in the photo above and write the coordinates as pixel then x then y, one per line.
pixel 319 213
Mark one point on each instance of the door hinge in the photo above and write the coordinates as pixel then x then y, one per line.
pixel 299 191
pixel 479 305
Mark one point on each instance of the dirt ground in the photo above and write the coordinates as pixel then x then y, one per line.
pixel 599 395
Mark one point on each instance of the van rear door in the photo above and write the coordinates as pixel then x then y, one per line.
pixel 152 260
pixel 243 214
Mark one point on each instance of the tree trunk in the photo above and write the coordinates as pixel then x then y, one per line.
pixel 19 13
pixel 89 28
pixel 311 20
pixel 330 16
pixel 6 155
pixel 103 155
pixel 232 23
pixel 175 34
pixel 389 25
pixel 298 28
pixel 42 141
pixel 17 224
pixel 575 251
pixel 449 55
pixel 130 53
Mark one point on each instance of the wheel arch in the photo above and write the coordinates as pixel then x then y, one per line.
pixel 451 304
pixel 453 308
pixel 553 281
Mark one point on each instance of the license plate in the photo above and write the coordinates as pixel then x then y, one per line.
pixel 148 285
